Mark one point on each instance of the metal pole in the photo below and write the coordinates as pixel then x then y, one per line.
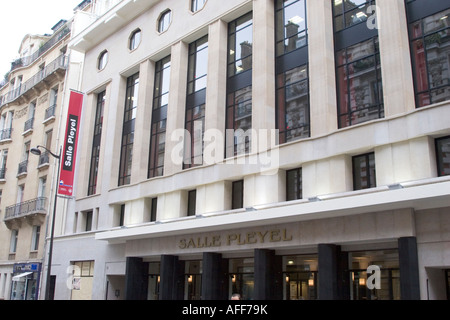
pixel 52 232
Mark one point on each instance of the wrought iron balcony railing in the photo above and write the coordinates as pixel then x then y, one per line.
pixel 26 208
pixel 5 134
pixel 28 125
pixel 59 63
pixel 23 167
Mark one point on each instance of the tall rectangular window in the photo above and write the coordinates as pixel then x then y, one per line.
pixel 358 66
pixel 131 103
pixel 92 189
pixel 196 102
pixel 35 238
pixel 237 195
pixel 192 200
pixel 239 86
pixel 13 242
pixel 364 174
pixel 443 156
pixel 154 210
pixel 159 118
pixel 294 187
pixel 429 32
pixel 292 113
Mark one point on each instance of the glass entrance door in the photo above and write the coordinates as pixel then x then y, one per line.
pixel 301 285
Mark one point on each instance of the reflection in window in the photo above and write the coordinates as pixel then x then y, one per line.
pixel 350 12
pixel 239 119
pixel 300 277
pixel 193 275
pixel 443 156
pixel 387 261
pixel 293 104
pixel 131 104
pixel 198 65
pixel 294 184
pixel 291 25
pixel 360 92
pixel 159 118
pixel 364 172
pixel 430 43
pixel 240 44
pixel 242 279
pixel 96 143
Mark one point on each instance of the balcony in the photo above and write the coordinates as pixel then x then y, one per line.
pixel 38 82
pixel 26 61
pixel 5 135
pixel 23 169
pixel 28 127
pixel 50 114
pixel 44 161
pixel 33 211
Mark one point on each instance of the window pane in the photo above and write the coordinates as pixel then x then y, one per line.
pixel 364 172
pixel 443 155
pixel 238 195
pixel 294 184
pixel 430 49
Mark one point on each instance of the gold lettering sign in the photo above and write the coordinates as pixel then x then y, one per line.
pixel 240 239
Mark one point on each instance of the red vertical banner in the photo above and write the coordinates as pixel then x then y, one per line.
pixel 69 155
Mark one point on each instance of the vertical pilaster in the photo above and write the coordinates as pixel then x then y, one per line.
pixel 322 74
pixel 263 74
pixel 143 122
pixel 398 87
pixel 176 109
pixel 216 92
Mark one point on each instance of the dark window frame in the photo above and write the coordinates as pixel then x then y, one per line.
pixel 96 143
pixel 159 118
pixel 367 157
pixel 417 12
pixel 154 209
pixel 440 163
pixel 238 83
pixel 134 42
pixel 191 203
pixel 299 181
pixel 126 156
pixel 237 200
pixel 165 20
pixel 195 104
pixel 286 62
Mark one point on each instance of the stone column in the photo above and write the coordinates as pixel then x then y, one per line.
pixel 322 70
pixel 263 73
pixel 398 87
pixel 176 110
pixel 141 147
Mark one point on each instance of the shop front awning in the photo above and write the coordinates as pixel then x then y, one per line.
pixel 21 276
